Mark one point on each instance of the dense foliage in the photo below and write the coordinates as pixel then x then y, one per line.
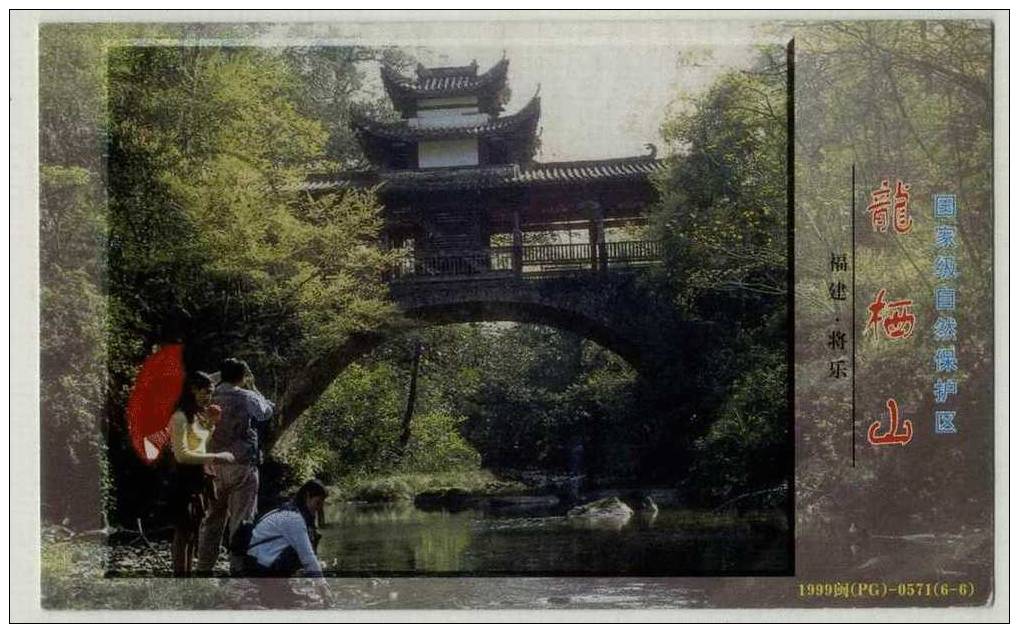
pixel 723 218
pixel 72 225
pixel 353 431
pixel 172 212
pixel 505 396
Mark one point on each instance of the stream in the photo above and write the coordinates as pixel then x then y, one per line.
pixel 388 539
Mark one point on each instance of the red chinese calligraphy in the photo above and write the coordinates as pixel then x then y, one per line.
pixel 895 434
pixel 881 203
pixel 880 199
pixel 897 321
pixel 903 223
pixel 875 311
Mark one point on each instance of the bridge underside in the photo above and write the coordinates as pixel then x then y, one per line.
pixel 613 309
pixel 548 303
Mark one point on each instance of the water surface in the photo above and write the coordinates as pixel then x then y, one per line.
pixel 399 539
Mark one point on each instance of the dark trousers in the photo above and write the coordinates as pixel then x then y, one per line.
pixel 286 564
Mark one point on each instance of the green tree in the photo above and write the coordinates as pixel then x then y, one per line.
pixel 212 241
pixel 723 219
pixel 334 89
pixel 73 310
pixel 354 430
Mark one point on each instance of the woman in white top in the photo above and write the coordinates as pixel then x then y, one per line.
pixel 190 427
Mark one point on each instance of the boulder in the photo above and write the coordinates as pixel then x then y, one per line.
pixel 609 508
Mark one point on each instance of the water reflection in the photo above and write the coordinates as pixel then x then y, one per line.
pixel 399 539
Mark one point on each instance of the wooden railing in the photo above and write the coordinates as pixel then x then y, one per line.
pixel 528 260
pixel 557 254
pixel 437 264
pixel 634 252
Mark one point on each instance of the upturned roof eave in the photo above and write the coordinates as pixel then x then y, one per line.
pixel 526 118
pixel 404 91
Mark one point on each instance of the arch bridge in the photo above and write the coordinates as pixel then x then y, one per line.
pixel 598 293
pixel 482 226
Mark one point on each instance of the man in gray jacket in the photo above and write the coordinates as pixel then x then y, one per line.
pixel 237 483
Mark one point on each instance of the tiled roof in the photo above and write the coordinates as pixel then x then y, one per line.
pixel 567 173
pixel 442 82
pixel 582 171
pixel 445 81
pixel 526 118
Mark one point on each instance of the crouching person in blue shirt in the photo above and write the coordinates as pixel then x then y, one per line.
pixel 283 541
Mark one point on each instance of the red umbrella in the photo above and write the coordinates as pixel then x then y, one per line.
pixel 154 396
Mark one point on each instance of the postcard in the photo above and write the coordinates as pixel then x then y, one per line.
pixel 625 315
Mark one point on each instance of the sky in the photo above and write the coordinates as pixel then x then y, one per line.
pixel 605 86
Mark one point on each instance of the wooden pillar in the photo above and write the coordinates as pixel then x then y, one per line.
pixel 596 236
pixel 603 253
pixel 518 245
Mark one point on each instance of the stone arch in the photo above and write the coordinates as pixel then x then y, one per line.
pixel 614 313
pixel 530 313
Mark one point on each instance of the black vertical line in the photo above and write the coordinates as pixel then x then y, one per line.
pixel 852 315
pixel 791 290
